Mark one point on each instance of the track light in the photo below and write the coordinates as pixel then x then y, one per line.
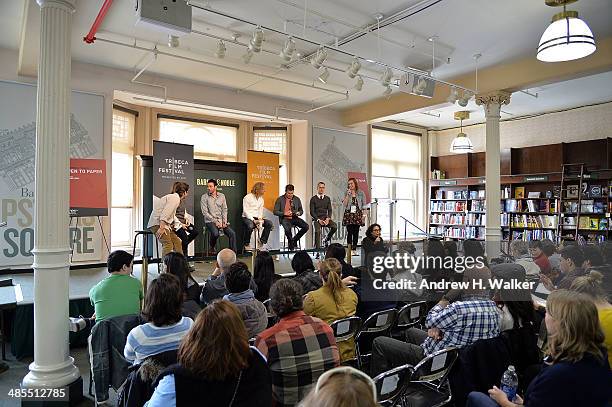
pixel 288 50
pixel 359 83
pixel 247 57
pixel 420 86
pixel 220 52
pixel 324 76
pixel 385 78
pixel 387 91
pixel 463 101
pixel 454 95
pixel 353 68
pixel 319 58
pixel 256 40
pixel 173 41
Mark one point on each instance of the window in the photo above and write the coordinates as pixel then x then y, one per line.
pixel 122 187
pixel 273 139
pixel 211 141
pixel 396 176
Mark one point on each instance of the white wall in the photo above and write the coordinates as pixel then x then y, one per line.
pixel 585 123
pixel 104 81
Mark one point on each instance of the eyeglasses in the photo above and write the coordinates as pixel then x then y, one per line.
pixel 375 230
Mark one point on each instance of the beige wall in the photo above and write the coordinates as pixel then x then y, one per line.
pixel 105 81
pixel 584 123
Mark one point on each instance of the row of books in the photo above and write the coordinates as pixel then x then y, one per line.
pixel 479 194
pixel 531 221
pixel 472 219
pixel 479 206
pixel 586 206
pixel 530 205
pixel 458 206
pixel 534 235
pixel 586 222
pixel 470 232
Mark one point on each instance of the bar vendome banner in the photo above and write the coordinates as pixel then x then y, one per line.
pixel 172 162
pixel 263 167
pixel 17 156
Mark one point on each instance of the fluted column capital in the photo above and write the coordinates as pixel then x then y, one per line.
pixel 69 5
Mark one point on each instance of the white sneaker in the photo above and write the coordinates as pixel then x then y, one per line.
pixel 248 248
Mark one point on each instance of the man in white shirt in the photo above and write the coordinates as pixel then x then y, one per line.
pixel 252 215
pixel 163 216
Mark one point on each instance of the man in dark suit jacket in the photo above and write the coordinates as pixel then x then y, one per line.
pixel 321 213
pixel 288 208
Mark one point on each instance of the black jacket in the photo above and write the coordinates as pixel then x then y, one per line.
pixel 138 387
pixel 309 280
pixel 296 207
pixel 320 208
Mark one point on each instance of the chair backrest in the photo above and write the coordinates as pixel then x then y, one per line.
pixel 391 385
pixel 435 368
pixel 266 304
pixel 411 314
pixel 6 283
pixel 346 328
pixel 379 321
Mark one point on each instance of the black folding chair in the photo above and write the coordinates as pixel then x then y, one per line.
pixel 409 316
pixel 344 330
pixel 392 384
pixel 377 324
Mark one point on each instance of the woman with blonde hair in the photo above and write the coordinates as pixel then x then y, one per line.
pixel 333 301
pixel 342 387
pixel 216 366
pixel 252 216
pixel 578 372
pixel 592 286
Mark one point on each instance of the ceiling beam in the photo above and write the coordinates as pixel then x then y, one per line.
pixel 29 39
pixel 510 76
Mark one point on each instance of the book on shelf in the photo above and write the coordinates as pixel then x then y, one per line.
pixel 505 193
pixel 572 191
pixel 569 221
pixel 587 206
pixel 603 224
pixel 583 222
pixel 519 192
pixel 594 223
pixel 533 195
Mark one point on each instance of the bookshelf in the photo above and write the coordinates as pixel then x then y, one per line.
pixel 532 202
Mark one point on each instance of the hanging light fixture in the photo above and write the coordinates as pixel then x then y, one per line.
pixel 567 37
pixel 359 83
pixel 288 50
pixel 220 52
pixel 353 68
pixel 319 58
pixel 257 40
pixel 461 143
pixel 387 91
pixel 324 76
pixel 453 96
pixel 386 77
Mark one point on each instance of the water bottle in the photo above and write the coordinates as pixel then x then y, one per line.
pixel 509 383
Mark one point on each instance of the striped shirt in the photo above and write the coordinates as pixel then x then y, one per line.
pixel 462 323
pixel 299 349
pixel 147 339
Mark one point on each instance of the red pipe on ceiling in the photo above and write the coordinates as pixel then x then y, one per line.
pixel 91 36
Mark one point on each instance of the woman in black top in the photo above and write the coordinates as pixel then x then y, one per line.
pixel 264 276
pixel 304 272
pixel 216 368
pixel 372 242
pixel 176 264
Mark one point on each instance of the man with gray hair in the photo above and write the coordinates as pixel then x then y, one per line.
pixel 519 249
pixel 214 286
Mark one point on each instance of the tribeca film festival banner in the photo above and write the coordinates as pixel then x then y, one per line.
pixel 263 167
pixel 172 162
pixel 336 155
pixel 231 181
pixel 17 152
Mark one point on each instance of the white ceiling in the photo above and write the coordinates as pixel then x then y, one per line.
pixel 550 98
pixel 500 30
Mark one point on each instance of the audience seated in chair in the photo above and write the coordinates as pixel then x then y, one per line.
pixel 342 387
pixel 263 275
pixel 591 286
pixel 119 293
pixel 570 266
pixel 305 271
pixel 519 249
pixel 253 312
pixel 176 264
pixel 299 348
pixel 333 301
pixel 536 248
pixel 214 286
pixel 578 373
pixel 165 326
pixel 456 325
pixel 216 366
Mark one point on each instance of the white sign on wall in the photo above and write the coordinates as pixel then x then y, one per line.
pixel 17 156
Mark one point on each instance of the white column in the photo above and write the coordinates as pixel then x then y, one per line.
pixel 52 366
pixel 492 103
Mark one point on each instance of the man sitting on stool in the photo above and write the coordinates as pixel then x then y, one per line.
pixel 288 208
pixel 214 209
pixel 252 217
pixel 321 212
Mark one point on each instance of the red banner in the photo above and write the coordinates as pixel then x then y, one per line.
pixel 88 187
pixel 362 183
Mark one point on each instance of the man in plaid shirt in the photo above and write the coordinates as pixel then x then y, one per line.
pixel 459 324
pixel 299 348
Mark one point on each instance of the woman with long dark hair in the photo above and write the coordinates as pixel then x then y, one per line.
pixel 305 271
pixel 264 275
pixel 216 366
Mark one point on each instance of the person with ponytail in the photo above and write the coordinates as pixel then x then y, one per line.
pixel 592 286
pixel 333 301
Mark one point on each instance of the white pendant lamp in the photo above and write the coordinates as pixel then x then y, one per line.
pixel 567 38
pixel 462 143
